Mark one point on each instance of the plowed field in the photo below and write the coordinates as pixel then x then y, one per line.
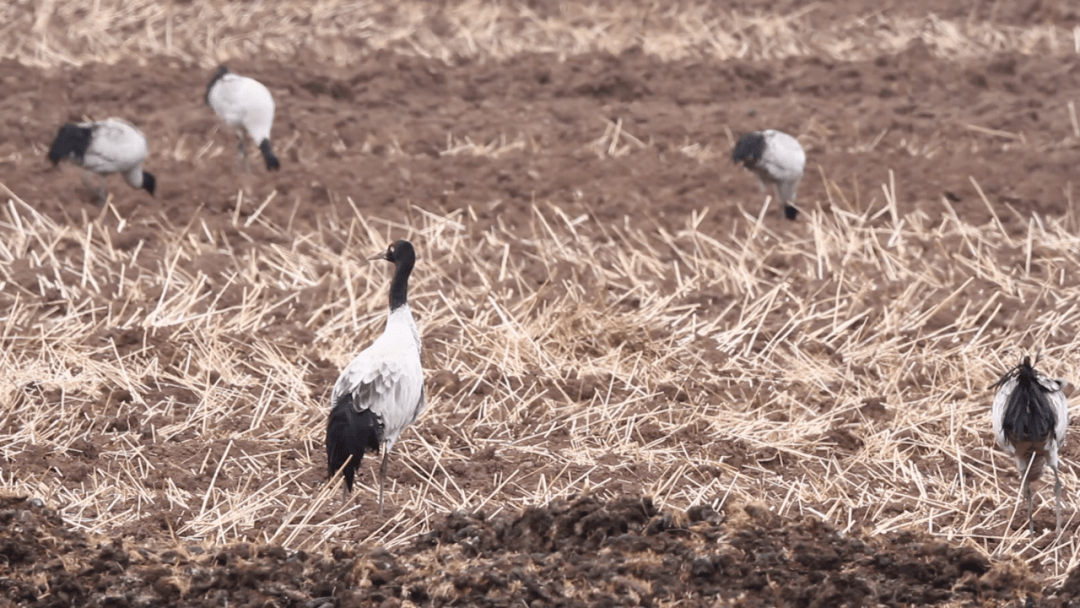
pixel 645 388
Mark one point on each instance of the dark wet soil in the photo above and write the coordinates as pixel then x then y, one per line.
pixel 583 552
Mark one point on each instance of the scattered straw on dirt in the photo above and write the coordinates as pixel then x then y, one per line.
pixel 840 372
pixel 52 33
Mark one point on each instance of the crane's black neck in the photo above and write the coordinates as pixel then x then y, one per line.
pixel 399 288
pixel 221 71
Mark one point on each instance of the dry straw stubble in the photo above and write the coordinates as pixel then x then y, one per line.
pixel 839 373
pixel 54 33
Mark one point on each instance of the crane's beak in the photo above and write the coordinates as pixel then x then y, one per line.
pixel 380 256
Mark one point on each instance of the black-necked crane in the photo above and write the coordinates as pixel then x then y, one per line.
pixel 1030 416
pixel 245 104
pixel 777 159
pixel 381 392
pixel 108 146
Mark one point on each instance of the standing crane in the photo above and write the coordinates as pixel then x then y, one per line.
pixel 1030 418
pixel 381 392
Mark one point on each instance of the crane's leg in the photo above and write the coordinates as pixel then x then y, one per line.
pixel 1027 495
pixel 1057 499
pixel 382 476
pixel 99 191
pixel 243 152
pixel 764 186
pixel 345 484
pixel 1026 482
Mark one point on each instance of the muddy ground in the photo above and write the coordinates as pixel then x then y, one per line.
pixel 378 133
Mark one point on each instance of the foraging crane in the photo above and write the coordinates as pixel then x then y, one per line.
pixel 1030 418
pixel 777 159
pixel 245 103
pixel 382 391
pixel 108 146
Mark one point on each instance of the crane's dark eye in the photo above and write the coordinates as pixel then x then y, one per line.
pixel 390 250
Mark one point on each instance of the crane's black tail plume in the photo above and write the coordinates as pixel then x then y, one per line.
pixel 1028 413
pixel 350 433
pixel 272 161
pixel 149 182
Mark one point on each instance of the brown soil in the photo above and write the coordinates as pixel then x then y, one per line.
pixel 377 134
pixel 584 552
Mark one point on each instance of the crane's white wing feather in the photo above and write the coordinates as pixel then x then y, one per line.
pixel 115 146
pixel 244 102
pixel 997 412
pixel 783 157
pixel 1060 405
pixel 387 377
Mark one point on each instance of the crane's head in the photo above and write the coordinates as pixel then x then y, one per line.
pixel 71 141
pixel 748 149
pixel 403 256
pixel 399 252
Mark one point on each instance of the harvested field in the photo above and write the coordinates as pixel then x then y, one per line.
pixel 645 387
